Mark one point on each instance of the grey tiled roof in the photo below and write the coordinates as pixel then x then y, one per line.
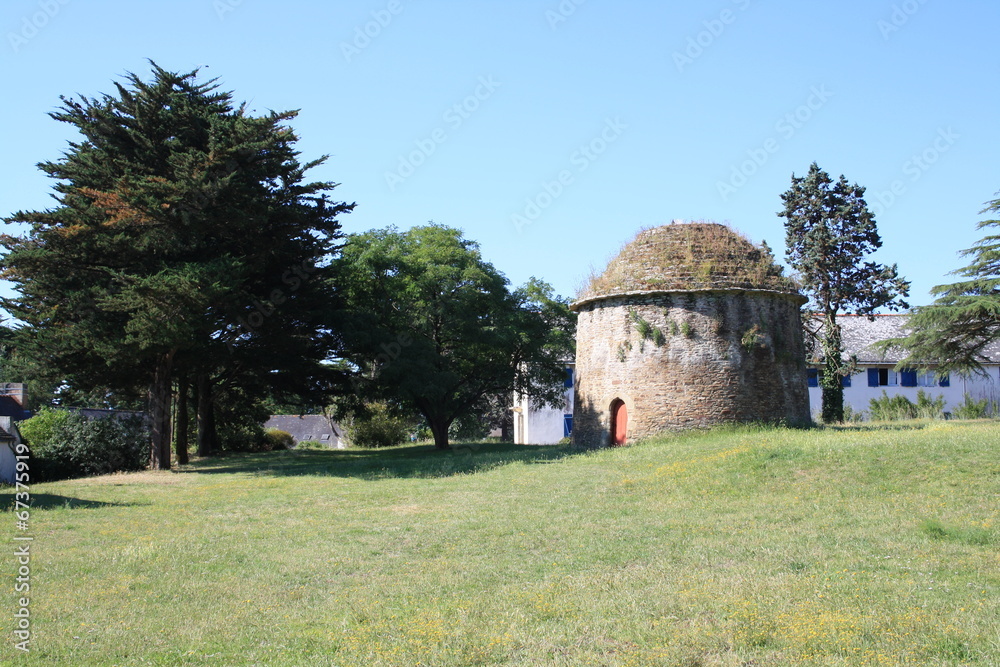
pixel 860 333
pixel 306 427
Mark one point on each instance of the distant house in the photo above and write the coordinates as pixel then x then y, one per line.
pixel 877 374
pixel 12 401
pixel 546 425
pixel 10 438
pixel 304 428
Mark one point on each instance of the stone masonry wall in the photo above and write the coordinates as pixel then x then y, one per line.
pixel 692 359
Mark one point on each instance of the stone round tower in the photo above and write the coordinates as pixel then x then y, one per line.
pixel 690 326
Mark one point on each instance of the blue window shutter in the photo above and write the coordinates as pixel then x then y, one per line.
pixel 872 377
pixel 908 378
pixel 845 381
pixel 569 378
pixel 945 381
pixel 567 425
pixel 812 375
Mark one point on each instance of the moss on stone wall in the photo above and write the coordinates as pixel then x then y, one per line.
pixel 691 325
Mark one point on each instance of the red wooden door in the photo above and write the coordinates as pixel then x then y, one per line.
pixel 619 423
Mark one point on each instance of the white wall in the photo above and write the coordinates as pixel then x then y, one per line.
pixel 541 426
pixel 8 463
pixel 859 394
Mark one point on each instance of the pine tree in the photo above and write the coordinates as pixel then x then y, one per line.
pixel 184 235
pixel 829 231
pixel 952 333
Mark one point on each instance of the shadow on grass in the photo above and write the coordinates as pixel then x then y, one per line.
pixel 878 426
pixel 394 462
pixel 45 501
pixel 909 425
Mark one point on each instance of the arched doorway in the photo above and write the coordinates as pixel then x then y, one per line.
pixel 619 422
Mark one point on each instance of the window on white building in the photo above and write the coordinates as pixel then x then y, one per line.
pixel 812 376
pixel 882 377
pixel 887 377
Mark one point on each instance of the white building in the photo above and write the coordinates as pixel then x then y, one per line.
pixel 546 425
pixel 876 372
pixel 10 438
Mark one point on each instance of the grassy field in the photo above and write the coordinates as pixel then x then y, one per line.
pixel 854 546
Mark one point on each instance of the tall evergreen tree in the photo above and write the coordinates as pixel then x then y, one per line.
pixel 953 332
pixel 184 234
pixel 829 231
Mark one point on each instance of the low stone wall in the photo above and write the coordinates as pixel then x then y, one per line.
pixel 690 359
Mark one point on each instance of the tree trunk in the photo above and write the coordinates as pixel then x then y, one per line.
pixel 181 440
pixel 507 427
pixel 831 378
pixel 207 438
pixel 160 394
pixel 439 427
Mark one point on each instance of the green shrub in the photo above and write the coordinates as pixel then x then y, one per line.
pixel 40 430
pixel 379 425
pixel 65 445
pixel 899 407
pixel 929 408
pixel 973 409
pixel 891 408
pixel 275 438
pixel 239 418
pixel 853 416
pixel 311 444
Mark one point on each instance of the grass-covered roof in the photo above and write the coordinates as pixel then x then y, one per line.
pixel 689 256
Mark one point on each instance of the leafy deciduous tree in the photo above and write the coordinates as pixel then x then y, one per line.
pixel 429 324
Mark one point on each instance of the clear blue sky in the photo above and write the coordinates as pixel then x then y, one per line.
pixel 608 116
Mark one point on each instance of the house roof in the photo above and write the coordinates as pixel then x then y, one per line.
pixel 11 407
pixel 688 256
pixel 861 333
pixel 306 427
